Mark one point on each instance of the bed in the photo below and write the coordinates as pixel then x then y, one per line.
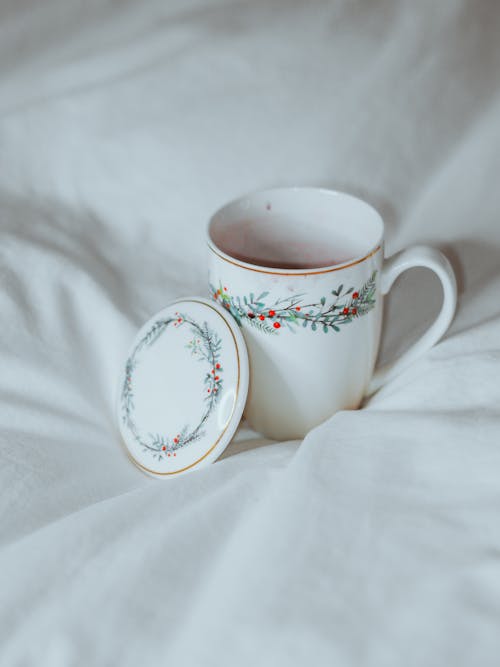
pixel 123 126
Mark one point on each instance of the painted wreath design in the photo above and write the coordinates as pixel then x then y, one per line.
pixel 206 346
pixel 346 306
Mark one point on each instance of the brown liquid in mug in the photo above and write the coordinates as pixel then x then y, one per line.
pixel 283 254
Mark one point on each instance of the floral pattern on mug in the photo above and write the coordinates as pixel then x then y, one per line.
pixel 342 306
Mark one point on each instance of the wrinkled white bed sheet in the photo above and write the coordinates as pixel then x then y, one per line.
pixel 375 541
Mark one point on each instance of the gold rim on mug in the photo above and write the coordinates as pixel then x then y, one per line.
pixel 294 272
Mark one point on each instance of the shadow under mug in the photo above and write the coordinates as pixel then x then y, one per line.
pixel 302 271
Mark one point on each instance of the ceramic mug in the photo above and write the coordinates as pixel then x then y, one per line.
pixel 302 271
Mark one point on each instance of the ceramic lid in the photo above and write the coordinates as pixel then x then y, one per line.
pixel 183 387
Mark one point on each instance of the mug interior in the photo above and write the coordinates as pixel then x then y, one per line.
pixel 296 229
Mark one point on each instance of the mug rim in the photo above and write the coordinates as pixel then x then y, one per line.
pixel 213 247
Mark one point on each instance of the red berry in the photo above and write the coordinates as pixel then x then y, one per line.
pixel 225 289
pixel 217 365
pixel 215 295
pixel 164 448
pixel 297 308
pixel 216 377
pixel 251 316
pixel 346 311
pixel 176 440
pixel 272 313
pixel 212 371
pixel 175 454
pixel 355 295
pixel 218 291
pixel 208 391
pixel 276 325
pixel 354 311
pixel 262 317
pixel 168 454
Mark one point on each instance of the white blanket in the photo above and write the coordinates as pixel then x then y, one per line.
pixel 375 541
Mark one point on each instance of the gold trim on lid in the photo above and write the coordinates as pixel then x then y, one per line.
pixel 191 465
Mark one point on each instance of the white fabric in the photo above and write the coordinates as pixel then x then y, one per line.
pixel 376 541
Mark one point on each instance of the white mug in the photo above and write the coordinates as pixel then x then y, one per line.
pixel 302 271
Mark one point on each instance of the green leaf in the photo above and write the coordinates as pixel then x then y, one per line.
pixel 325 328
pixel 339 289
pixel 313 326
pixel 323 300
pixel 251 297
pixel 304 324
pixel 351 289
pixel 335 328
pixel 262 296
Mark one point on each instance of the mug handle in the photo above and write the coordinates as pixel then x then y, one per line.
pixel 406 259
